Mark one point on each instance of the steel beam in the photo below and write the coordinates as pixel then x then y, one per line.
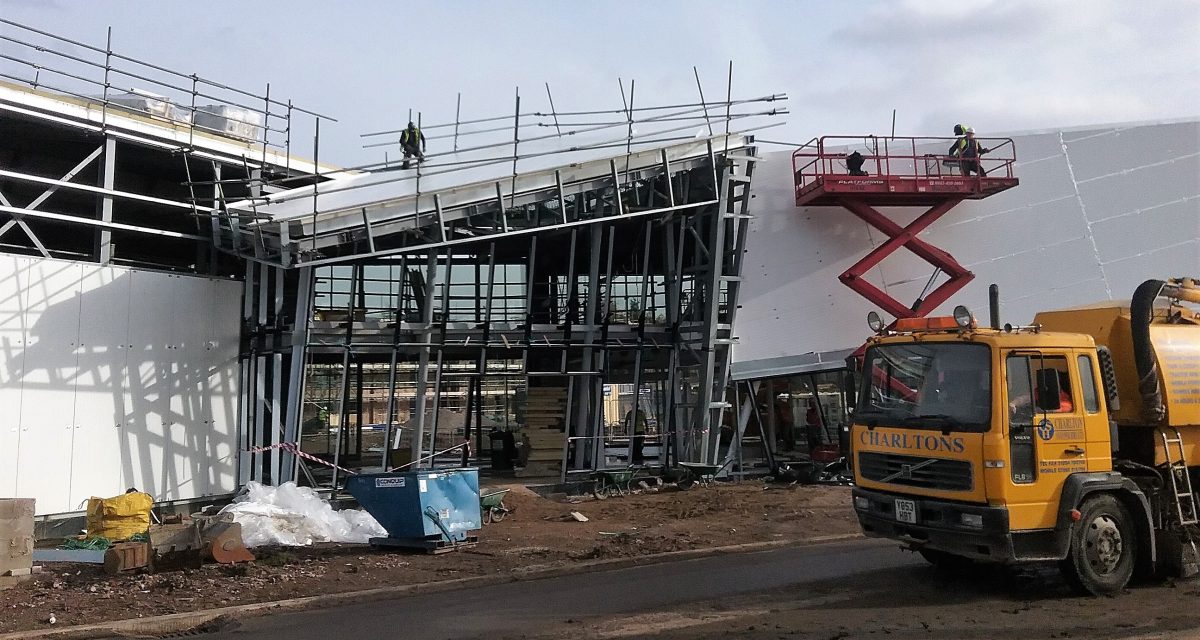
pixel 74 172
pixel 710 406
pixel 745 408
pixel 302 320
pixel 588 402
pixel 108 180
pixel 514 232
pixel 344 388
pixel 277 417
pixel 260 380
pixel 60 217
pixel 25 177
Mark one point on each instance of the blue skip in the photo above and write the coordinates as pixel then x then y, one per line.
pixel 430 510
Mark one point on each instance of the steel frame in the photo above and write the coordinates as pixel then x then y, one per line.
pixel 697 214
pixel 667 212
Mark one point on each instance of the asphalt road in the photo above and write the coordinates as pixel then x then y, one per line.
pixel 527 606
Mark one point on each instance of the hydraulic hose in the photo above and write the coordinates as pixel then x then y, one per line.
pixel 1141 311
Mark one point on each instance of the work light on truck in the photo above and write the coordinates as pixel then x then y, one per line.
pixel 962 317
pixel 874 321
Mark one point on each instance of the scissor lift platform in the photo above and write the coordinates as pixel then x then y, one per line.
pixel 897 191
pixel 900 172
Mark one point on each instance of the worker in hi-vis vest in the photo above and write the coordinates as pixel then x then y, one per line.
pixel 967 149
pixel 412 141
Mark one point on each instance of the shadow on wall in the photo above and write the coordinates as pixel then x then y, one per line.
pixel 113 378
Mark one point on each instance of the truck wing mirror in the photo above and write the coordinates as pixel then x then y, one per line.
pixel 1048 390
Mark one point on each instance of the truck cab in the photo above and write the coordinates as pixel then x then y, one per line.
pixel 964 439
pixel 1011 445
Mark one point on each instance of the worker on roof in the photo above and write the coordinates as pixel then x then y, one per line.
pixel 412 141
pixel 967 149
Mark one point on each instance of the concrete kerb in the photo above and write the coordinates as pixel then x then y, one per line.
pixel 176 623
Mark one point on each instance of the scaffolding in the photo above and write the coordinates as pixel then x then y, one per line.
pixel 508 280
pixel 99 122
pixel 584 281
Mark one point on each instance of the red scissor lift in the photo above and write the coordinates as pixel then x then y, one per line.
pixel 900 172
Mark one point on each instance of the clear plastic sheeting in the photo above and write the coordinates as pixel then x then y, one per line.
pixel 296 516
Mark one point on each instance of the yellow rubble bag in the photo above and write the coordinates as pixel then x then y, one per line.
pixel 119 518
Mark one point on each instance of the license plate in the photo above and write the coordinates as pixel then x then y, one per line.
pixel 906 511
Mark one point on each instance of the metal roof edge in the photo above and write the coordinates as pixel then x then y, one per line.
pixel 811 362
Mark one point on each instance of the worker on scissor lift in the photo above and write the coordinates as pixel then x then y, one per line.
pixel 412 141
pixel 967 149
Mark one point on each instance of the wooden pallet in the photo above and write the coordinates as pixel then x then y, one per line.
pixel 545 415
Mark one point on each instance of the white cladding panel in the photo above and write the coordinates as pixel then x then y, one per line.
pixel 12 368
pixel 50 304
pixel 113 377
pixel 221 395
pixel 100 378
pixel 1098 211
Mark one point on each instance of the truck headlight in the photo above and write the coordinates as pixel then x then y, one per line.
pixel 974 520
pixel 862 503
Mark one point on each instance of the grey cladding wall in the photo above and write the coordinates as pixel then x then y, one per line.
pixel 1099 210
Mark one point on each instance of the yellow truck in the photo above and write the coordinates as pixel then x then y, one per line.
pixel 1075 439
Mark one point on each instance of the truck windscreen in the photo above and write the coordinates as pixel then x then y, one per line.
pixel 941 386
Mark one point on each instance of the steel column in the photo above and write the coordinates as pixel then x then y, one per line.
pixel 344 389
pixel 108 180
pixel 302 319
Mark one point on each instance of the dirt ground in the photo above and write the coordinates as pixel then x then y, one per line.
pixel 911 603
pixel 538 533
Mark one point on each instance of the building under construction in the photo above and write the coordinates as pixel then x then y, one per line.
pixel 188 304
pixel 190 300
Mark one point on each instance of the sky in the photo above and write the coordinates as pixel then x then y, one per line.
pixel 999 65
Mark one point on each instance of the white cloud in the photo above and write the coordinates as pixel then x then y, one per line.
pixel 998 64
pixel 1022 64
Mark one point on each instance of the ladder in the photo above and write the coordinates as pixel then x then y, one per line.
pixel 1181 482
pixel 1181 486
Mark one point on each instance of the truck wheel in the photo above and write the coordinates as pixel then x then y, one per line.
pixel 1103 546
pixel 943 561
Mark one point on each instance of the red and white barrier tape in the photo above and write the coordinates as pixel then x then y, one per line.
pixel 294 449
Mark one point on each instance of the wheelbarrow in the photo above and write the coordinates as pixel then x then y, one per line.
pixel 492 506
pixel 612 482
pixel 698 473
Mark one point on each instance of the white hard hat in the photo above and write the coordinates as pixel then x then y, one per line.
pixel 970 129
